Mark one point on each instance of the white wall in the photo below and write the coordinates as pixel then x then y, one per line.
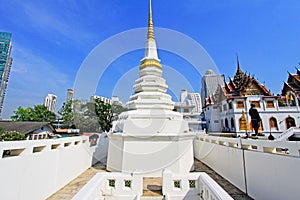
pixel 101 149
pixel 272 176
pixel 38 175
pixel 270 173
pixel 225 160
pixel 150 156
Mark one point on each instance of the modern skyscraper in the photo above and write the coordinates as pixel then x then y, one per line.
pixel 116 101
pixel 210 83
pixel 50 102
pixel 191 99
pixel 70 95
pixel 103 99
pixel 5 64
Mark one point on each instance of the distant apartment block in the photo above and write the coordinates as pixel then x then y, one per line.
pixel 116 101
pixel 210 83
pixel 5 64
pixel 50 102
pixel 70 94
pixel 191 99
pixel 103 99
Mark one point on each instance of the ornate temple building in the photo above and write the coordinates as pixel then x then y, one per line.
pixel 227 110
pixel 291 90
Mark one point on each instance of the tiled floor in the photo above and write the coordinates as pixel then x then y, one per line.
pixel 233 191
pixel 74 186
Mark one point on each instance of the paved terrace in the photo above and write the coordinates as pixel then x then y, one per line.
pixel 151 187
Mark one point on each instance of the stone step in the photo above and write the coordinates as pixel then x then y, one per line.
pixel 152 198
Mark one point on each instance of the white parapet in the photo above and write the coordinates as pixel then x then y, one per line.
pixel 175 187
pixel 263 169
pixel 111 186
pixel 192 186
pixel 37 169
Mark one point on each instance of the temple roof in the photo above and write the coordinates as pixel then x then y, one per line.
pixel 292 84
pixel 243 84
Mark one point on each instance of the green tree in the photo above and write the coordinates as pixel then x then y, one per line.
pixel 85 118
pixel 39 113
pixel 104 114
pixel 11 135
pixel 66 112
pixel 118 109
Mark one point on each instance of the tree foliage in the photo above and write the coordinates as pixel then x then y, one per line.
pixel 104 113
pixel 66 112
pixel 11 135
pixel 85 118
pixel 117 109
pixel 92 116
pixel 39 113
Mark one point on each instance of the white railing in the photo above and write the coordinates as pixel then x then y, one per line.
pixel 210 190
pixel 288 148
pixel 288 133
pixel 111 186
pixel 175 186
pixel 254 166
pixel 192 186
pixel 30 147
pixel 42 165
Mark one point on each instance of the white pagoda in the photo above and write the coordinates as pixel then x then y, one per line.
pixel 150 137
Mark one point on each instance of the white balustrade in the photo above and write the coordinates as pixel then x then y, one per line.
pixel 175 186
pixel 289 148
pixel 254 166
pixel 42 165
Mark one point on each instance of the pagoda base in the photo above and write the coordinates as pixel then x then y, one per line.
pixel 150 155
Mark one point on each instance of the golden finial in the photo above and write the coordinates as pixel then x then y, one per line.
pixel 150 24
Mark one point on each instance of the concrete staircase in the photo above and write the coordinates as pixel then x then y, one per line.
pixel 152 188
pixel 152 198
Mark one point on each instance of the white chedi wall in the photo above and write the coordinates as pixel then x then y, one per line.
pixel 151 137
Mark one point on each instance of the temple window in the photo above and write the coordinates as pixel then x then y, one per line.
pixel 225 107
pixel 290 122
pixel 270 104
pixel 230 105
pixel 226 123
pixel 273 123
pixel 256 103
pixel 232 123
pixel 240 104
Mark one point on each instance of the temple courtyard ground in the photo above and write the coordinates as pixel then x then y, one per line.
pixel 152 186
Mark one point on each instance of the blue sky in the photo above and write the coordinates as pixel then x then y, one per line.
pixel 51 39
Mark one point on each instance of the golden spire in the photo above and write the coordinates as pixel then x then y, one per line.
pixel 151 57
pixel 150 24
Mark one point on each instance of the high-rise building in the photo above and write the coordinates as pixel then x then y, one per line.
pixel 103 99
pixel 5 64
pixel 191 99
pixel 183 95
pixel 210 83
pixel 70 95
pixel 50 102
pixel 191 107
pixel 116 101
